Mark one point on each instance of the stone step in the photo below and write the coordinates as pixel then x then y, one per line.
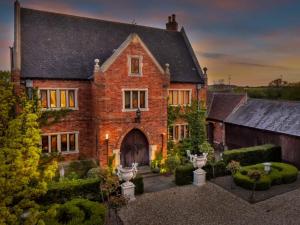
pixel 146 172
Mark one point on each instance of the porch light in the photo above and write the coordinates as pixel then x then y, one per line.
pixel 106 136
pixel 138 116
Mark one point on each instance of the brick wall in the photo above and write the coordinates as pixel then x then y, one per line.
pixel 108 103
pixel 78 120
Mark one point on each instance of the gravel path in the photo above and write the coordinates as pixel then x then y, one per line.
pixel 209 205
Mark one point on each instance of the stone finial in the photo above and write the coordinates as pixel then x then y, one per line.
pixel 96 66
pixel 167 68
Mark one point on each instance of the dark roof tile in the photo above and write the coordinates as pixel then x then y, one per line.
pixel 61 46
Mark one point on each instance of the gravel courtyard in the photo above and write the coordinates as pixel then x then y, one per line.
pixel 210 204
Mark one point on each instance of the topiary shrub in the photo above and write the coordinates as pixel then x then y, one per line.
pixel 65 190
pixel 80 167
pixel 253 155
pixel 184 174
pixel 76 212
pixel 280 173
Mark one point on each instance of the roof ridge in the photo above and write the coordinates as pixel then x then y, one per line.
pixel 275 100
pixel 98 19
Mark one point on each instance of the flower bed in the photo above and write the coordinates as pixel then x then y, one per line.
pixel 281 173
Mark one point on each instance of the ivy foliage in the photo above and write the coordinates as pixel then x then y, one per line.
pixel 22 178
pixel 195 116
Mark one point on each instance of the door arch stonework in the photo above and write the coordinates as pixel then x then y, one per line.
pixel 134 148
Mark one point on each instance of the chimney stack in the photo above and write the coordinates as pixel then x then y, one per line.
pixel 172 25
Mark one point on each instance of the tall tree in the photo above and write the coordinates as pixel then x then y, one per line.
pixel 21 178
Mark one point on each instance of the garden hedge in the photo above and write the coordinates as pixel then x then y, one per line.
pixel 65 190
pixel 139 184
pixel 253 155
pixel 184 174
pixel 280 173
pixel 76 212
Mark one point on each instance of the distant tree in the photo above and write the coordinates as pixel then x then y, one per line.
pixel 22 177
pixel 278 83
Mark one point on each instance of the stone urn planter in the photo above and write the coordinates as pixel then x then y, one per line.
pixel 126 174
pixel 198 162
pixel 267 167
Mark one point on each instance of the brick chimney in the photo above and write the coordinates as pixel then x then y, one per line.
pixel 172 25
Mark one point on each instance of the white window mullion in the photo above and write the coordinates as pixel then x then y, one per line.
pixel 76 141
pixel 49 143
pixel 48 98
pixel 75 99
pixel 130 99
pixel 67 96
pixel 57 98
pixel 139 99
pixel 68 143
pixel 59 143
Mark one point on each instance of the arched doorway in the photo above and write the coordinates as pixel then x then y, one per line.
pixel 135 148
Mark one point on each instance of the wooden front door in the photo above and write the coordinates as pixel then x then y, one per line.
pixel 134 148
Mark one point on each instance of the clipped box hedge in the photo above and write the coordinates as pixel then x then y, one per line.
pixel 253 155
pixel 62 191
pixel 184 174
pixel 280 173
pixel 139 184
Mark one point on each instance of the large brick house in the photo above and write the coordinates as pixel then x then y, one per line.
pixel 117 79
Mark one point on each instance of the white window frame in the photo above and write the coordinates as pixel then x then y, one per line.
pixel 58 134
pixel 58 98
pixel 140 57
pixel 135 89
pixel 179 132
pixel 178 89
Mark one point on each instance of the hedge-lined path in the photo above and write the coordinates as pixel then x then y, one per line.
pixel 226 183
pixel 210 204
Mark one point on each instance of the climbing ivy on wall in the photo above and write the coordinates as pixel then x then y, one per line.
pixel 195 116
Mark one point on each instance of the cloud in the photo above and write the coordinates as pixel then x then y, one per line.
pixel 253 64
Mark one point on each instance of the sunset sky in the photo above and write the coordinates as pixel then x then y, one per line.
pixel 253 41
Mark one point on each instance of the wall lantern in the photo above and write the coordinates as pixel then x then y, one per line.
pixel 106 137
pixel 107 147
pixel 138 116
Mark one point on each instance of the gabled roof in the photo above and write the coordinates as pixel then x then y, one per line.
pixel 277 116
pixel 58 46
pixel 221 105
pixel 131 38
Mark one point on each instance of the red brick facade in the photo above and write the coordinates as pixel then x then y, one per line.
pixel 100 110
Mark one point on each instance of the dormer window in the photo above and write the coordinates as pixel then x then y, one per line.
pixel 135 65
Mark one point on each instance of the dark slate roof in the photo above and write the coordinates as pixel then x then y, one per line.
pixel 220 105
pixel 277 116
pixel 62 46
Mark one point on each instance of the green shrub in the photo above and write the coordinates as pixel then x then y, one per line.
pixel 172 162
pixel 80 167
pixel 184 174
pixel 94 173
pixel 65 190
pixel 219 170
pixel 280 173
pixel 76 212
pixel 139 184
pixel 253 155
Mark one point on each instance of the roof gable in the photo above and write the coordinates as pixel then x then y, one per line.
pixel 223 104
pixel 131 38
pixel 58 46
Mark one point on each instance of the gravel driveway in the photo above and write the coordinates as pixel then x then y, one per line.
pixel 207 205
